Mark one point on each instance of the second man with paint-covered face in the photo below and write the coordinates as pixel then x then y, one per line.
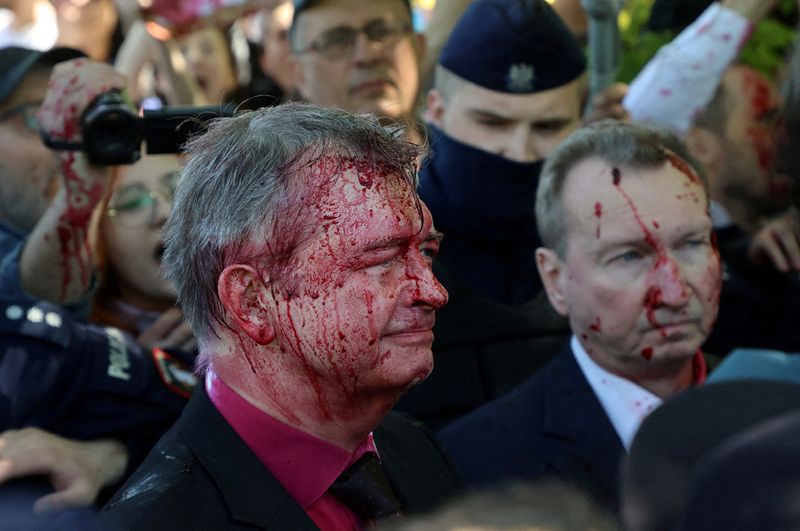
pixel 629 259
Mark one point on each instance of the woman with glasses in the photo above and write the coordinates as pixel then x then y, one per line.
pixel 133 294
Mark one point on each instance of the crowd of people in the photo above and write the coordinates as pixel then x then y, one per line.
pixel 416 278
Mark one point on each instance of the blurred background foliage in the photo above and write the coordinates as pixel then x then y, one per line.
pixel 766 50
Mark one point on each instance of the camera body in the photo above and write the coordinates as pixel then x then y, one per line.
pixel 113 132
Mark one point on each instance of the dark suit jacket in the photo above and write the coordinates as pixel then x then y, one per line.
pixel 482 350
pixel 551 425
pixel 201 476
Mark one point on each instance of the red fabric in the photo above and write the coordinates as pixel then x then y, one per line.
pixel 699 369
pixel 305 465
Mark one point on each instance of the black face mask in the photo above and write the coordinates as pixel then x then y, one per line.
pixel 477 194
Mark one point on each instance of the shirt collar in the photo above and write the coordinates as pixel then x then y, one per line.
pixel 720 218
pixel 625 403
pixel 304 464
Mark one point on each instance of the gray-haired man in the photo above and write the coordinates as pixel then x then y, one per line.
pixel 302 257
pixel 629 259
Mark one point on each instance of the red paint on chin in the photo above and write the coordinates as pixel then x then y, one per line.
pixel 597 326
pixel 647 353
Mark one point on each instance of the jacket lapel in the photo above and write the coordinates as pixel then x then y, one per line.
pixel 252 494
pixel 591 447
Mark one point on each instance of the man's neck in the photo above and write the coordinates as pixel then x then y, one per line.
pixel 289 396
pixel 664 380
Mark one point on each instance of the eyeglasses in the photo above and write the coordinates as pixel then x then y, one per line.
pixel 339 42
pixel 135 205
pixel 27 112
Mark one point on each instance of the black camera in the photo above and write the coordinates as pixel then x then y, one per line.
pixel 113 131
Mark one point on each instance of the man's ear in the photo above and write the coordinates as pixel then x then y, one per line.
pixel 706 146
pixel 551 271
pixel 434 112
pixel 243 295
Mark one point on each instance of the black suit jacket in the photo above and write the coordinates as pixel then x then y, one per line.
pixel 482 350
pixel 202 476
pixel 551 425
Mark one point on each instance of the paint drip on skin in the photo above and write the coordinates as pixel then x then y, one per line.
pixel 648 236
pixel 73 224
pixel 647 353
pixel 596 326
pixel 318 326
pixel 598 213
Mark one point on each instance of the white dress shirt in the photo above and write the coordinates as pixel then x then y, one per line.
pixel 625 403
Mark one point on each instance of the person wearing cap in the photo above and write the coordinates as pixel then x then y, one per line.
pixel 357 56
pixel 628 257
pixel 509 88
pixel 48 198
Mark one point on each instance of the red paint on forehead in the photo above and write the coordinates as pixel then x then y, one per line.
pixel 616 175
pixel 682 166
pixel 648 236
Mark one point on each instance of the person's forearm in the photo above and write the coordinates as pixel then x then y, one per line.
pixel 57 262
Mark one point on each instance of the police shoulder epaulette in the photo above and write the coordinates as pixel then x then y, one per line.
pixel 39 321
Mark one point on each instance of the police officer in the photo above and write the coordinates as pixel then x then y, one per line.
pixel 509 87
pixel 83 383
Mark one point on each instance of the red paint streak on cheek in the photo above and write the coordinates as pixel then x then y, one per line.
pixel 597 326
pixel 647 353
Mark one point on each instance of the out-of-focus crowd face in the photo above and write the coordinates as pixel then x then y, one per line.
pixel 208 58
pixel 27 168
pixel 132 225
pixel 751 136
pixel 378 74
pixel 275 60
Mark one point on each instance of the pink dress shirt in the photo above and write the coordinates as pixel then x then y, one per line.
pixel 305 465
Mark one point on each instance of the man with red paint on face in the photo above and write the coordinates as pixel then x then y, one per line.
pixel 629 259
pixel 301 255
pixel 48 198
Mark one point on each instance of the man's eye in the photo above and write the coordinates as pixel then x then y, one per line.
pixel 429 253
pixel 628 257
pixel 489 121
pixel 550 127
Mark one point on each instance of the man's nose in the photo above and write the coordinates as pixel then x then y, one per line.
pixel 366 51
pixel 671 280
pixel 426 288
pixel 520 146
